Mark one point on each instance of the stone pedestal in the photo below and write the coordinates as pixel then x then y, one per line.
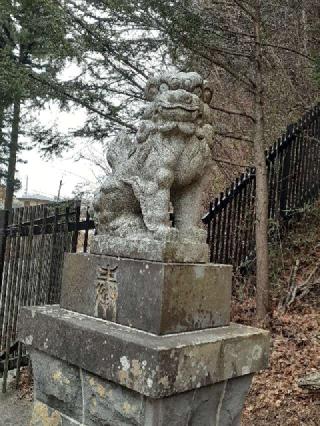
pixel 150 249
pixel 141 342
pixel 157 297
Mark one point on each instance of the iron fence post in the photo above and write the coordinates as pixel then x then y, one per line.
pixel 4 215
pixel 284 184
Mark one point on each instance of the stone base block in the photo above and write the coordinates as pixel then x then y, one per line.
pixel 155 366
pixel 157 297
pixel 67 395
pixel 150 249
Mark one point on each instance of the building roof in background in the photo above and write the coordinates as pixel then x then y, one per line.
pixel 34 197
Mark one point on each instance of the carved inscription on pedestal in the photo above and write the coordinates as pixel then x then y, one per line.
pixel 106 293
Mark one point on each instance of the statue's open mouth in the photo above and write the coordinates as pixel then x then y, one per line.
pixel 179 107
pixel 179 112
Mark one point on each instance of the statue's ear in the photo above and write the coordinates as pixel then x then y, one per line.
pixel 207 92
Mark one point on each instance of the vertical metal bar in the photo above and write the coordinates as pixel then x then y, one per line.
pixel 218 232
pixel 86 233
pixel 271 186
pixel 295 175
pixel 229 195
pixel 304 163
pixel 213 225
pixel 313 174
pixel 20 256
pixel 238 216
pixel 248 219
pixel 251 237
pixel 223 228
pixel 11 299
pixel 53 258
pixel 233 206
pixel 299 198
pixel 290 176
pixel 4 215
pixel 40 296
pixel 284 182
pixel 35 259
pixel 27 290
pixel 76 231
pixel 242 221
pixel 307 166
pixel 18 364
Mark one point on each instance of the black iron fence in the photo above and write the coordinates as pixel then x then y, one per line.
pixel 293 180
pixel 33 241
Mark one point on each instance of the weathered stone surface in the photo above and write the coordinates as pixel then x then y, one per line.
pixel 168 163
pixel 57 384
pixel 111 404
pixel 199 407
pixel 311 382
pixel 151 296
pixel 234 394
pixel 156 366
pixel 148 249
pixel 43 415
pixel 106 403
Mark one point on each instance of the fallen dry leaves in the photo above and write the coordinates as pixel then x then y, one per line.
pixel 25 389
pixel 275 397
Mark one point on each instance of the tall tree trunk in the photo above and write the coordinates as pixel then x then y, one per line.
pixel 13 154
pixel 2 148
pixel 304 27
pixel 262 295
pixel 1 125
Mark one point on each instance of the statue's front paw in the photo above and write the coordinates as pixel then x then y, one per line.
pixel 166 233
pixel 196 234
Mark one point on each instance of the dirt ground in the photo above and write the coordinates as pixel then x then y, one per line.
pixel 14 410
pixel 275 398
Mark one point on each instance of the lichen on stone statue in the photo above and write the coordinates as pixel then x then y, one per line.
pixel 166 166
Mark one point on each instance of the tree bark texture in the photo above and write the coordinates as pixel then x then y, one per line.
pixel 13 154
pixel 262 263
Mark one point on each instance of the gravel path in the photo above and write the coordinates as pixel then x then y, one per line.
pixel 13 411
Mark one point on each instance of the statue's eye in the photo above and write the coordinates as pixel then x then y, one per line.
pixel 152 92
pixel 163 87
pixel 188 85
pixel 198 91
pixel 175 84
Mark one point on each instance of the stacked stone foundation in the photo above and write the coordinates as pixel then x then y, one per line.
pixel 141 342
pixel 68 395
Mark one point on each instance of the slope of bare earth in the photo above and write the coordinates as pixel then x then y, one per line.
pixel 275 397
pixel 15 410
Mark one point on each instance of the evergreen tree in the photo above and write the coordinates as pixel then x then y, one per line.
pixel 34 45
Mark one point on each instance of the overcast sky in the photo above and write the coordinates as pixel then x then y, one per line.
pixel 44 175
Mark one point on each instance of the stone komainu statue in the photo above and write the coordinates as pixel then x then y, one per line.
pixel 167 164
